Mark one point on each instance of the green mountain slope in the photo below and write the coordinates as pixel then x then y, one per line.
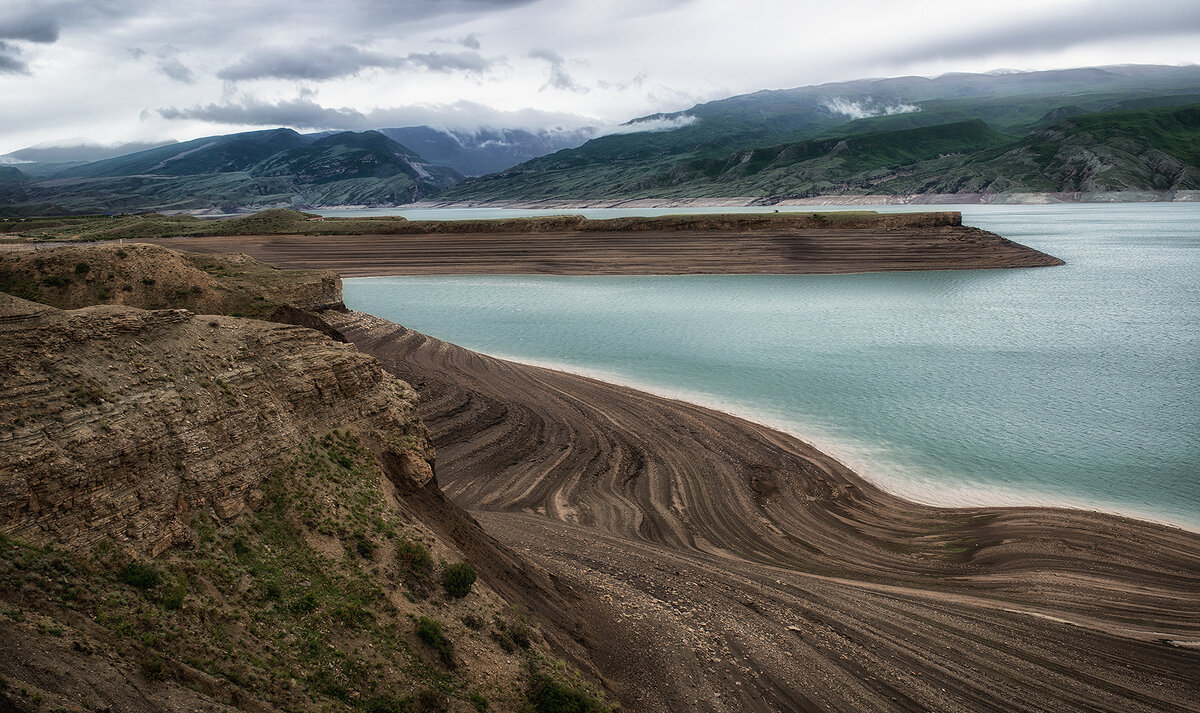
pixel 664 163
pixel 212 154
pixel 262 168
pixel 1157 149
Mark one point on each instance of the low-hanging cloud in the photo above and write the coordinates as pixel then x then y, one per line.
pixel 652 123
pixel 174 69
pixel 1103 21
pixel 856 109
pixel 559 78
pixel 320 63
pixel 304 113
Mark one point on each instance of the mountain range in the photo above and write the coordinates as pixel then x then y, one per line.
pixel 1090 130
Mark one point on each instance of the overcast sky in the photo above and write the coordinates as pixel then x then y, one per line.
pixel 123 70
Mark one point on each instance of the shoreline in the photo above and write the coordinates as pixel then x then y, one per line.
pixel 843 453
pixel 678 245
pixel 930 199
pixel 751 559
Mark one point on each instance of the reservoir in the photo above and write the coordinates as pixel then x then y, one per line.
pixel 1076 385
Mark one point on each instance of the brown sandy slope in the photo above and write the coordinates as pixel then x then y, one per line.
pixel 749 249
pixel 739 569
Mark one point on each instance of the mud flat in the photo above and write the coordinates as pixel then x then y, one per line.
pixel 722 565
pixel 712 244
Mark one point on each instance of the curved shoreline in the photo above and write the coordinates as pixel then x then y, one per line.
pixel 844 455
pixel 725 565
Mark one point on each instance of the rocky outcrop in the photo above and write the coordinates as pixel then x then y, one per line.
pixel 121 423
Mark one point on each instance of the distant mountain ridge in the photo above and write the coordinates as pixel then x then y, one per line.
pixel 1095 129
pixel 801 142
pixel 240 171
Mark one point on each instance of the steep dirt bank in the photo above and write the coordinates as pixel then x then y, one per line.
pixel 215 513
pixel 740 569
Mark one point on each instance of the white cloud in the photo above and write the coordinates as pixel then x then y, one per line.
pixel 542 59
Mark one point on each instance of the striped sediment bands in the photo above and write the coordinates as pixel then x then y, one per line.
pixel 758 251
pixel 721 565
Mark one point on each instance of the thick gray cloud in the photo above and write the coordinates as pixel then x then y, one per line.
pixel 304 113
pixel 10 60
pixel 318 63
pixel 24 24
pixel 31 27
pixel 1107 20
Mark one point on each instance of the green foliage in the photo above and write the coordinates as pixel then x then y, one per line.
pixel 430 631
pixel 512 635
pixel 253 603
pixel 457 579
pixel 547 695
pixel 56 281
pixel 82 268
pixel 414 556
pixel 140 575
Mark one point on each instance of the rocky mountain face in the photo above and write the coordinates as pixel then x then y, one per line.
pixel 209 512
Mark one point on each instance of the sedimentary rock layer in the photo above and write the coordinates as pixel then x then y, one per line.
pixel 121 422
pixel 722 245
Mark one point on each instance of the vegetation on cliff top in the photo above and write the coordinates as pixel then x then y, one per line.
pixel 307 604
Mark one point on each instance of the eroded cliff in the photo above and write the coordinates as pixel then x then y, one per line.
pixel 210 512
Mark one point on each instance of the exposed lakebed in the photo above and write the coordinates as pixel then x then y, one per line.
pixel 1071 385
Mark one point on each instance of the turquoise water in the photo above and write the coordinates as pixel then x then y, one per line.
pixel 1075 385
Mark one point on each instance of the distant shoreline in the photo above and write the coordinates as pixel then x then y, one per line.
pixel 931 199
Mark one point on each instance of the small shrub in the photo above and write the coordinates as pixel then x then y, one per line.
pixel 430 631
pixel 512 635
pixel 549 696
pixel 59 281
pixel 414 556
pixel 122 254
pixel 172 599
pixel 364 546
pixel 305 604
pixel 82 268
pixel 474 621
pixel 147 281
pixel 479 702
pixel 457 579
pixel 139 575
pixel 152 666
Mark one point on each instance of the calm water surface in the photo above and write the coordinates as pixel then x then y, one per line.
pixel 1075 385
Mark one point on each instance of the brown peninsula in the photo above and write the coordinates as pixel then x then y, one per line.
pixel 775 243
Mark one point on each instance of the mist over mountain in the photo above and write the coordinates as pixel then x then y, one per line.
pixel 798 142
pixel 1088 130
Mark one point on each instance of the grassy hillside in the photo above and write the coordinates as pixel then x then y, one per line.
pixel 328 598
pixel 238 171
pixel 665 163
pixel 1154 149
